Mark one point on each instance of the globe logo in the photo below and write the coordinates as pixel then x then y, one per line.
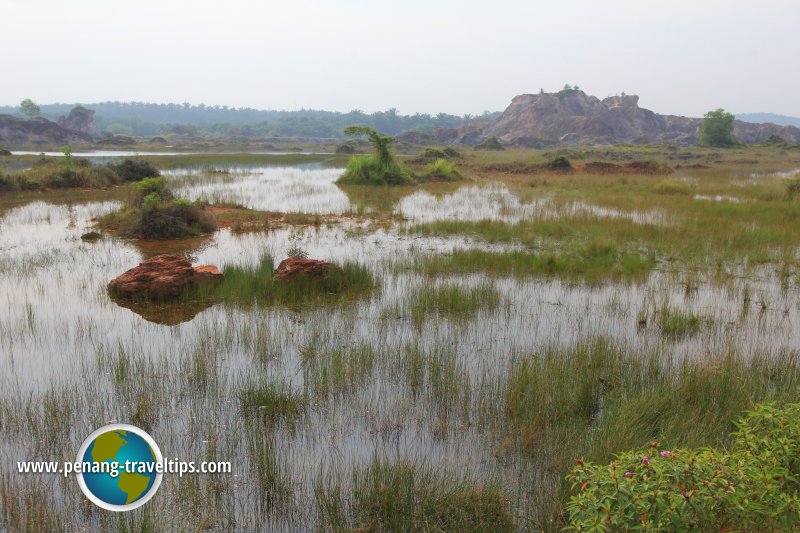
pixel 120 467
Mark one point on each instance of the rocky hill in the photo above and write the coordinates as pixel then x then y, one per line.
pixel 573 117
pixel 76 128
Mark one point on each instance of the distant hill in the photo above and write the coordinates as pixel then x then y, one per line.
pixel 571 116
pixel 147 120
pixel 759 118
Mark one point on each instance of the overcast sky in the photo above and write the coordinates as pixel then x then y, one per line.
pixel 681 56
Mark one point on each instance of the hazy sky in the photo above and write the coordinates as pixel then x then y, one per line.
pixel 682 57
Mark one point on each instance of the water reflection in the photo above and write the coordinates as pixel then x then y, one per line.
pixel 284 189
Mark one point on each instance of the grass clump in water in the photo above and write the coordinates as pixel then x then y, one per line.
pixel 381 168
pixel 452 300
pixel 247 285
pixel 404 497
pixel 155 213
pixel 271 400
pixel 679 324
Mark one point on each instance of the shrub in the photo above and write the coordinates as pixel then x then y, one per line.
pixel 155 214
pixel 134 170
pixel 490 143
pixel 442 170
pixel 559 164
pixel 752 487
pixel 433 153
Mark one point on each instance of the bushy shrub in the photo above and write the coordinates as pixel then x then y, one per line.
pixel 154 213
pixel 490 143
pixel 559 164
pixel 134 170
pixel 752 487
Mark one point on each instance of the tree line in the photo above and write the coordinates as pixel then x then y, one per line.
pixel 148 119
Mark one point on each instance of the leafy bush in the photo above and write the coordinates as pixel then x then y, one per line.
pixel 134 170
pixel 559 164
pixel 752 487
pixel 490 143
pixel 442 170
pixel 154 213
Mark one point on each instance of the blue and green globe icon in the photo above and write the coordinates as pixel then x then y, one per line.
pixel 120 467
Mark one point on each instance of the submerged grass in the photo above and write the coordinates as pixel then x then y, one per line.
pixel 402 496
pixel 270 400
pixel 452 300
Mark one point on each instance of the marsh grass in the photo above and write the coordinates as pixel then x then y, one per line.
pixel 402 496
pixel 270 400
pixel 679 324
pixel 339 370
pixel 593 263
pixel 596 398
pixel 257 285
pixel 452 300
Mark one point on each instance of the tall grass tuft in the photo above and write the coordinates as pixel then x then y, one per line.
pixel 272 401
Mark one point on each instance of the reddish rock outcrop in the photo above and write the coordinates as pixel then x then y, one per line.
pixel 312 268
pixel 162 276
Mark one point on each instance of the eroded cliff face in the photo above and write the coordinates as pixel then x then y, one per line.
pixel 77 128
pixel 573 117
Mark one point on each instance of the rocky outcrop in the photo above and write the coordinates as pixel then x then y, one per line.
pixel 81 120
pixel 16 131
pixel 573 117
pixel 162 276
pixel 292 267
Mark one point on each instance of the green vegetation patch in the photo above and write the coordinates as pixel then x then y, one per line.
pixel 155 213
pixel 452 300
pixel 594 262
pixel 403 497
pixel 71 172
pixel 271 401
pixel 249 285
pixel 381 168
pixel 751 487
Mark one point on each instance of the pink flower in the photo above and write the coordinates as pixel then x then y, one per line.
pixel 686 495
pixel 628 475
pixel 646 460
pixel 666 453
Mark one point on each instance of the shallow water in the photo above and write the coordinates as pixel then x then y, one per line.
pixel 61 335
